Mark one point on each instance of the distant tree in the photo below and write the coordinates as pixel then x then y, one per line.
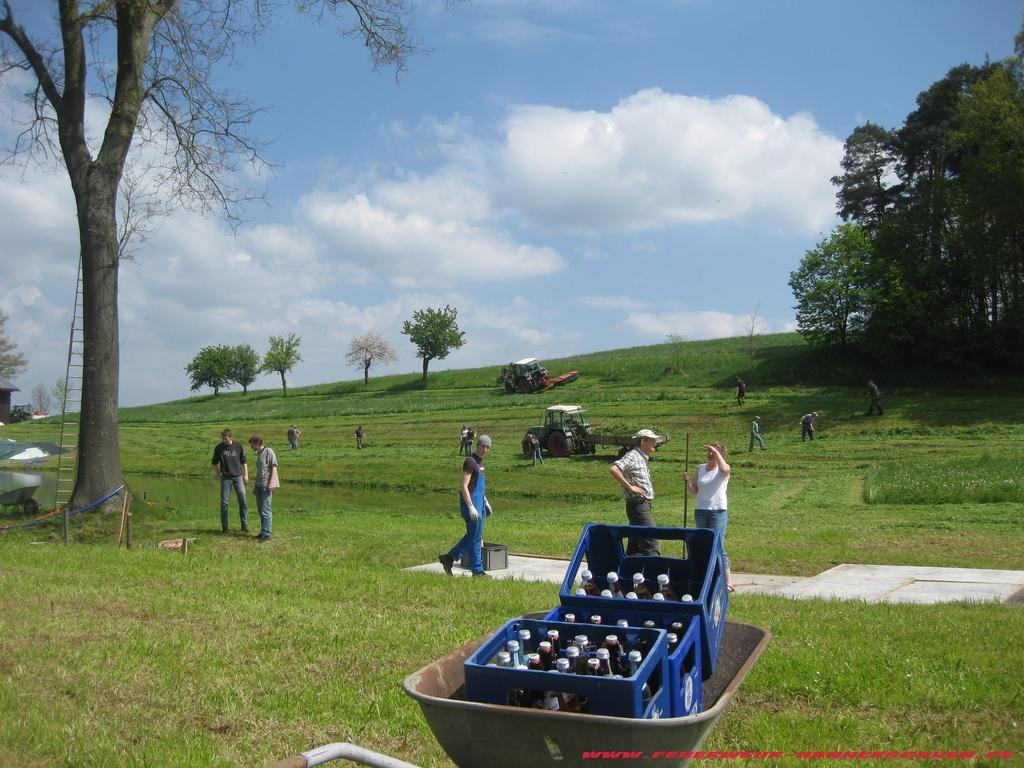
pixel 753 328
pixel 212 367
pixel 368 349
pixel 282 356
pixel 11 362
pixel 245 366
pixel 677 346
pixel 42 400
pixel 60 393
pixel 435 333
pixel 830 287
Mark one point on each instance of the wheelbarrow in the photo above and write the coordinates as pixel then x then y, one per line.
pixel 479 735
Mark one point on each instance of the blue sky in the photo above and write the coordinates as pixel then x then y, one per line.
pixel 572 176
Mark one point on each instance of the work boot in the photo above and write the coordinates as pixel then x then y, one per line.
pixel 447 561
pixel 485 575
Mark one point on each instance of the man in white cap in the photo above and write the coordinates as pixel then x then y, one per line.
pixel 473 506
pixel 634 475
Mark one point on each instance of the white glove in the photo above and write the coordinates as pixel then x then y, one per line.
pixel 487 508
pixel 473 514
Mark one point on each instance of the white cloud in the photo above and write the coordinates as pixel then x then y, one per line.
pixel 658 159
pixel 413 248
pixel 693 325
pixel 610 302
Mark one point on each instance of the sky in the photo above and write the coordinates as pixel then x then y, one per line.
pixel 571 175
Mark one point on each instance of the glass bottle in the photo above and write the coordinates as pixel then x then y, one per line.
pixel 615 584
pixel 556 644
pixel 606 593
pixel 569 618
pixel 640 587
pixel 635 657
pixel 611 642
pixel 665 587
pixel 604 662
pixel 525 641
pixel 589 585
pixel 512 646
pixel 547 658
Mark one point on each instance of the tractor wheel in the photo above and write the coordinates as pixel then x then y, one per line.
pixel 508 387
pixel 522 386
pixel 558 445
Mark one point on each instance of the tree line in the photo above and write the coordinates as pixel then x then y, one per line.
pixel 435 332
pixel 928 264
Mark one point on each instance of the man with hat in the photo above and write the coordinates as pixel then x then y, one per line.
pixel 473 506
pixel 634 475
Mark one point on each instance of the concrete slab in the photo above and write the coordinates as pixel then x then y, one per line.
pixel 520 567
pixel 907 584
pixel 849 581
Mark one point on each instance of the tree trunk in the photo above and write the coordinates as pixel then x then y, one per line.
pixel 366 374
pixel 284 384
pixel 99 453
pixel 426 362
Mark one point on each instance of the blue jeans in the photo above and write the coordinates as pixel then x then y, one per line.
pixel 226 484
pixel 756 436
pixel 264 497
pixel 806 433
pixel 536 456
pixel 718 520
pixel 472 542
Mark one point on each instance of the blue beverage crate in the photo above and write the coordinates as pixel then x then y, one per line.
pixel 618 697
pixel 701 573
pixel 684 661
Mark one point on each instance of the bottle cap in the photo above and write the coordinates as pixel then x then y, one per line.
pixel 582 641
pixel 658 596
pixel 632 596
pixel 586 575
pixel 595 619
pixel 612 640
pixel 552 635
pixel 544 646
pixel 603 653
pixel 524 634
pixel 562 665
pixel 606 593
pixel 663 579
pixel 612 577
pixel 570 618
pixel 687 598
pixel 676 626
pixel 593 663
pixel 581 591
pixel 672 638
pixel 635 656
pixel 638 577
pixel 649 624
pixel 533 659
pixel 504 658
pixel 571 652
pixel 623 622
pixel 512 646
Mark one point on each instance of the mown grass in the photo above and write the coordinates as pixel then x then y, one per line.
pixel 240 652
pixel 987 480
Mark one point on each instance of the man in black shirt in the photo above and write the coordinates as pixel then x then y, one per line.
pixel 229 458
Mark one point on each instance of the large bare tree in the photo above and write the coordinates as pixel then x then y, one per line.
pixel 368 349
pixel 152 62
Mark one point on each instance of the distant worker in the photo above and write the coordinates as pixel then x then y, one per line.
pixel 527 445
pixel 755 434
pixel 470 434
pixel 229 458
pixel 462 440
pixel 741 391
pixel 633 473
pixel 875 398
pixel 535 449
pixel 266 481
pixel 293 437
pixel 807 426
pixel 473 506
pixel 359 436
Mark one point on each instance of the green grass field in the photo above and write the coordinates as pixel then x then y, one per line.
pixel 240 652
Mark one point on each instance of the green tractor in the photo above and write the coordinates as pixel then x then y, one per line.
pixel 528 375
pixel 565 431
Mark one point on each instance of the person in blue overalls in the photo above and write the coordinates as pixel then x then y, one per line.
pixel 474 507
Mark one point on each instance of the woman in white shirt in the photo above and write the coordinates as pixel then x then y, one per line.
pixel 710 486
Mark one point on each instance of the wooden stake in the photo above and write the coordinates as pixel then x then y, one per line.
pixel 128 529
pixel 124 512
pixel 686 494
pixel 65 526
pixel 184 545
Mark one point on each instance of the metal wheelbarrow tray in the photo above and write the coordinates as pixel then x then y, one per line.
pixel 479 735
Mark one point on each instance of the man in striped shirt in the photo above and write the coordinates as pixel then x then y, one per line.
pixel 633 473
